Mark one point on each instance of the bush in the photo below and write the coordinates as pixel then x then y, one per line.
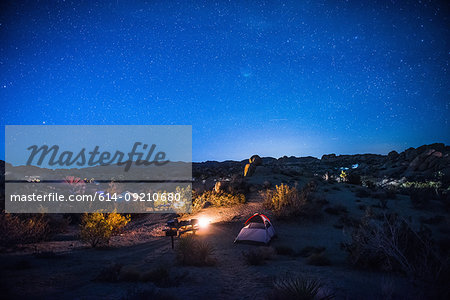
pixel 353 178
pixel 256 257
pixel 310 250
pixel 286 201
pixel 362 193
pixel 16 230
pixel 148 293
pixel 110 273
pixel 394 245
pixel 129 274
pixel 336 210
pixel 98 228
pixel 160 276
pixel 318 259
pixel 284 250
pixel 191 251
pixel 300 287
pixel 216 199
pixel 421 198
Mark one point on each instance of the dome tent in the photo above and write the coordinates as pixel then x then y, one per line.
pixel 257 229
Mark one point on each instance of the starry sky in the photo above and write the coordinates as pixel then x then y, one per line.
pixel 271 78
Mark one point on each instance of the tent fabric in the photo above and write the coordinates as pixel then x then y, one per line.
pixel 257 229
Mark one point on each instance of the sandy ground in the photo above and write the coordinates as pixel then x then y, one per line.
pixel 71 272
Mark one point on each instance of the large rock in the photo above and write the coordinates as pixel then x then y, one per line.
pixel 393 155
pixel 256 160
pixel 249 170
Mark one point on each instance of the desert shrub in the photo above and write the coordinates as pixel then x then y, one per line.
pixel 46 255
pixel 299 287
pixel 286 201
pixel 160 276
pixel 394 245
pixel 309 250
pixel 148 293
pixel 353 178
pixel 421 198
pixel 383 203
pixel 216 199
pixel 284 250
pixel 362 193
pixel 282 198
pixel 192 251
pixel 129 274
pixel 436 220
pixel 390 193
pixel 22 264
pixel 16 230
pixel 421 185
pixel 318 259
pixel 347 221
pixel 336 210
pixel 98 228
pixel 258 256
pixel 59 225
pixel 368 183
pixel 109 273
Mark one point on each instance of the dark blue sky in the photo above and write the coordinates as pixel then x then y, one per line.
pixel 274 78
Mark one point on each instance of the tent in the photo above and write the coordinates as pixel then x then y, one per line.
pixel 257 229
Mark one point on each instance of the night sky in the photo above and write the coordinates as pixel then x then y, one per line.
pixel 272 78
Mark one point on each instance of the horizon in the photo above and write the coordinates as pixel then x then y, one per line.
pixel 244 159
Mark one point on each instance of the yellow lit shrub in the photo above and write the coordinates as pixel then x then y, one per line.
pixel 98 228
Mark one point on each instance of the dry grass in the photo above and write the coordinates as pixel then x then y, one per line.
pixel 192 251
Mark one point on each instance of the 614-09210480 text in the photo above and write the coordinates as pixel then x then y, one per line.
pixel 102 197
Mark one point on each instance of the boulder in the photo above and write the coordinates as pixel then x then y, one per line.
pixel 249 170
pixel 221 186
pixel 326 157
pixel 393 155
pixel 256 160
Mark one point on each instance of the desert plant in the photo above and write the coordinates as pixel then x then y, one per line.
pixel 15 229
pixel 284 250
pixel 98 228
pixel 192 251
pixel 109 273
pixel 318 259
pixel 258 256
pixel 394 245
pixel 216 199
pixel 282 198
pixel 421 197
pixel 353 178
pixel 160 276
pixel 148 293
pixel 299 287
pixel 129 274
pixel 286 201
pixel 362 193
pixel 309 250
pixel 336 210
